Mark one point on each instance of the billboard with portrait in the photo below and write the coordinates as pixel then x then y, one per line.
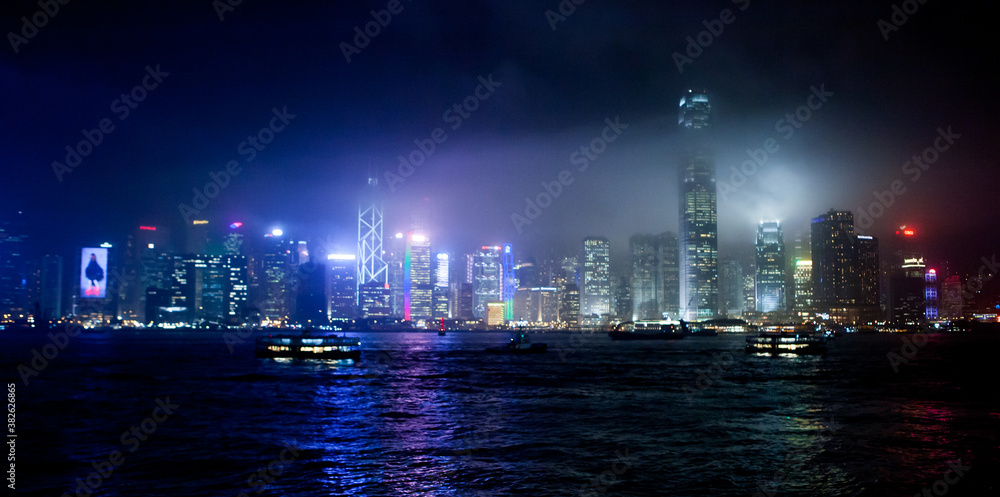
pixel 93 273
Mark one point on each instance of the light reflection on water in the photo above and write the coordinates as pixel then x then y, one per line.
pixel 421 414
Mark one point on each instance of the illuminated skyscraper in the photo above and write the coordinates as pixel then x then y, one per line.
pixel 487 280
pixel 274 281
pixel 144 268
pixel 539 305
pixel 699 284
pixel 906 279
pixel 695 111
pixel 417 287
pixel 595 277
pixel 803 287
pixel 867 274
pixel 442 280
pixel 833 258
pixel 770 278
pixel 845 269
pixel 654 282
pixel 371 267
pixel 341 285
pixel 235 289
pixel 394 257
pixel 509 285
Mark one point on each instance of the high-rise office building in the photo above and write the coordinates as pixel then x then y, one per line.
pixel 274 280
pixel 654 282
pixel 487 280
pixel 931 295
pixel 866 253
pixel 845 269
pixel 341 285
pixel 699 288
pixel 145 251
pixel 394 258
pixel 622 292
pixel 311 303
pixel 569 305
pixel 645 278
pixel 595 277
pixel 528 274
pixel 509 283
pixel 732 302
pixel 442 286
pixel 951 298
pixel 417 287
pixel 906 278
pixel 803 288
pixel 236 289
pixel 50 303
pixel 199 289
pixel 196 237
pixel 770 277
pixel 695 111
pixel 13 268
pixel 374 293
pixel 462 301
pixel 834 283
pixel 538 305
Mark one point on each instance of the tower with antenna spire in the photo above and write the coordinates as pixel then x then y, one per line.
pixel 372 269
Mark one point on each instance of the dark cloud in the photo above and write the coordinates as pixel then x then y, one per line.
pixel 605 60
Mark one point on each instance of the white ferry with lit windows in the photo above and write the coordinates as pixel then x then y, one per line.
pixel 787 339
pixel 307 346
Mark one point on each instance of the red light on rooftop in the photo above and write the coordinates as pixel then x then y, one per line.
pixel 148 228
pixel 909 232
pixel 932 271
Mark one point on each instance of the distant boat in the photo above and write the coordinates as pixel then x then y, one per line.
pixel 703 330
pixel 441 332
pixel 787 339
pixel 649 331
pixel 520 344
pixel 306 346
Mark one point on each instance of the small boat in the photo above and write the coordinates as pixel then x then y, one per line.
pixel 306 346
pixel 520 344
pixel 649 331
pixel 787 339
pixel 441 329
pixel 703 330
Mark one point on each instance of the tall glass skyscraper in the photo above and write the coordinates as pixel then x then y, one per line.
pixel 654 276
pixel 487 279
pixel 699 233
pixel 595 277
pixel 770 281
pixel 417 286
pixel 845 270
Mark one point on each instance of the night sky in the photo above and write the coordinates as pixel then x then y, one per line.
pixel 606 60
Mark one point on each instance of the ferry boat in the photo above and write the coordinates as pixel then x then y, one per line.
pixel 652 330
pixel 306 346
pixel 520 344
pixel 787 339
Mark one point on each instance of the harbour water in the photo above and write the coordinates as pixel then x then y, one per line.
pixel 195 414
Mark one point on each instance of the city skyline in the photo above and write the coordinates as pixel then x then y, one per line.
pixel 500 247
pixel 859 139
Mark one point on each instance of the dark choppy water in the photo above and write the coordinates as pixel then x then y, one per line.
pixel 429 415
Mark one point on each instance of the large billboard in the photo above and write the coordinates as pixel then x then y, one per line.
pixel 93 273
